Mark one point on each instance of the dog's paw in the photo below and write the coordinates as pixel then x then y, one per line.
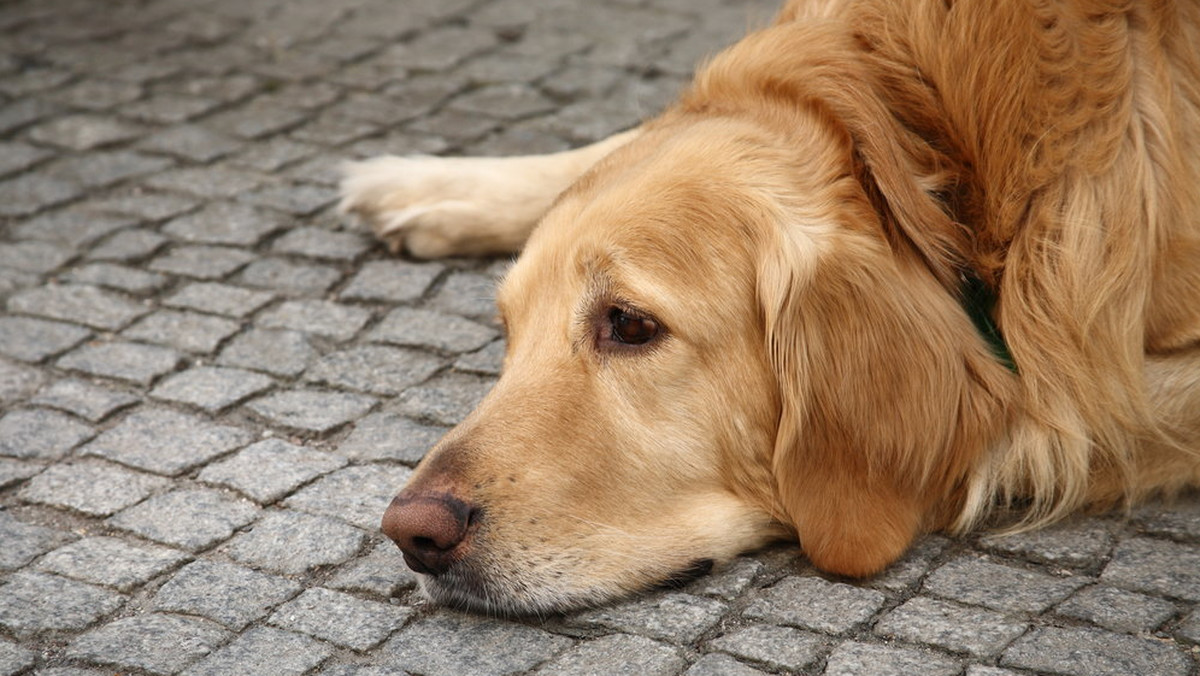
pixel 433 207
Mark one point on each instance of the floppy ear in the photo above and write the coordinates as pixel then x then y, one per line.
pixel 888 395
pixel 811 65
pixel 888 399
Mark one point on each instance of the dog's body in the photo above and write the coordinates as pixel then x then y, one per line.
pixel 745 319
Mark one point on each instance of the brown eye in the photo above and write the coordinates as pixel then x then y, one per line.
pixel 631 329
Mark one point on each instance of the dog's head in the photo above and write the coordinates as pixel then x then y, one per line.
pixel 732 330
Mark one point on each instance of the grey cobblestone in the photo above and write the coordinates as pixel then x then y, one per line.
pixel 674 616
pixel 1156 566
pixel 224 223
pixel 187 518
pixel 110 562
pixel 340 618
pixel 78 303
pixel 263 650
pixel 128 245
pixel 950 626
pixel 14 659
pixel 37 257
pixel 100 169
pixel 84 399
pixel 1117 609
pixel 1177 521
pixel 33 340
pixel 1078 651
pixel 468 294
pixel 449 644
pixel 219 299
pixel 1189 628
pixel 11 279
pixel 322 243
pixel 1076 543
pixel 908 572
pixel 617 654
pixel 291 543
pixel 23 542
pixel 813 603
pixel 852 659
pixel 116 277
pixel 387 436
pixel 1007 589
pixel 201 262
pixel 29 194
pixel 18 381
pixel 446 399
pixel 16 157
pixel 72 227
pixel 95 489
pixel 410 326
pixel 270 469
pixel 374 369
pixel 83 132
pixel 187 331
pixel 773 647
pixel 256 121
pixel 288 278
pixel 284 353
pixel 484 361
pixel 381 573
pixel 201 361
pixel 40 434
pixel 231 595
pixel 730 581
pixel 191 143
pixel 274 154
pixel 144 206
pixel 132 362
pixel 159 644
pixel 13 472
pixel 211 388
pixel 721 665
pixel 206 182
pixel 33 603
pixel 358 495
pixel 312 410
pixel 165 442
pixel 324 318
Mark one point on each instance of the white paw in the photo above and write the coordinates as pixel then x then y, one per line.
pixel 433 206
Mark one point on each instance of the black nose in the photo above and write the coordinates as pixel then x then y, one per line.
pixel 429 529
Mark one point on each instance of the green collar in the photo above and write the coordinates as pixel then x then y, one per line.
pixel 979 300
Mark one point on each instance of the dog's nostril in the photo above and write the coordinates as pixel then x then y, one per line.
pixel 423 543
pixel 429 529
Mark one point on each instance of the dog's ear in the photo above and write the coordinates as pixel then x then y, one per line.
pixel 899 171
pixel 888 400
pixel 809 66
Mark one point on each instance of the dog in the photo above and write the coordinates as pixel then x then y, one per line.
pixel 886 267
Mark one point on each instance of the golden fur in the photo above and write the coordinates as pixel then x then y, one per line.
pixel 799 225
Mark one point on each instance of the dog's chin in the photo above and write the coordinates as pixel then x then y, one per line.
pixel 454 589
pixel 462 588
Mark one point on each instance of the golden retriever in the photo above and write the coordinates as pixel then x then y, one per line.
pixel 886 267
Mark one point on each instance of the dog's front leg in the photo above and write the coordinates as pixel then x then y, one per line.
pixel 463 206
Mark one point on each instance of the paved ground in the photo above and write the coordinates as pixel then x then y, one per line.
pixel 211 387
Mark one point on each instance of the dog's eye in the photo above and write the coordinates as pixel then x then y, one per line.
pixel 632 329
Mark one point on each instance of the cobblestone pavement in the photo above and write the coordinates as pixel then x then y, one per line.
pixel 211 386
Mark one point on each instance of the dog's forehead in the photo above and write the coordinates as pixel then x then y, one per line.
pixel 667 261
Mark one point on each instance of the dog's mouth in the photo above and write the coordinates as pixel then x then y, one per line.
pixel 465 587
